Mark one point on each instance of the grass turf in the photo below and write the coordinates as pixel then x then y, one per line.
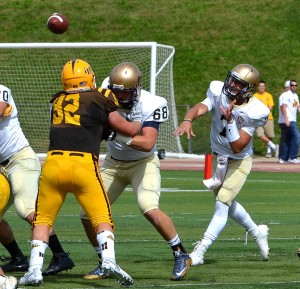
pixel 270 198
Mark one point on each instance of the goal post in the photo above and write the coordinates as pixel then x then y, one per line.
pixel 32 71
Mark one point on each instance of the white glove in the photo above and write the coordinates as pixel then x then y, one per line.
pixel 136 113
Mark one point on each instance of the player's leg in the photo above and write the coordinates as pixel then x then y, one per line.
pixel 94 201
pixel 49 201
pixel 236 175
pixel 18 262
pixel 114 186
pixel 146 179
pixel 259 232
pixel 24 174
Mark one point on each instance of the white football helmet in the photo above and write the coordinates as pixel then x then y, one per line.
pixel 241 81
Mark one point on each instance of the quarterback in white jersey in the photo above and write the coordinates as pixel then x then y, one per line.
pixel 132 161
pixel 235 115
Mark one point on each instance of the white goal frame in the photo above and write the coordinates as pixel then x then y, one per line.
pixel 32 72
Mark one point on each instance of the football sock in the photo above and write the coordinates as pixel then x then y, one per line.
pixel 106 242
pixel 216 225
pixel 38 249
pixel 55 245
pixel 13 249
pixel 176 245
pixel 238 213
pixel 271 145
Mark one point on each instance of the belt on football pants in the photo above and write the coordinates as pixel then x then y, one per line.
pixel 230 159
pixel 70 154
pixel 124 160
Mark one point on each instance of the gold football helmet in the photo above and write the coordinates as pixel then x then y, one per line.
pixel 125 81
pixel 241 81
pixel 77 75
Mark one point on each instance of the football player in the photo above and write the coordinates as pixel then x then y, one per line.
pixel 235 116
pixel 79 122
pixel 22 167
pixel 133 161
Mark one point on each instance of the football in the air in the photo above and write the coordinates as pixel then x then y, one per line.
pixel 58 23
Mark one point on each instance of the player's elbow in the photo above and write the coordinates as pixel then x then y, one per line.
pixel 148 147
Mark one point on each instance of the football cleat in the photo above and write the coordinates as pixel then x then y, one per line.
pixel 262 241
pixel 97 273
pixel 32 277
pixel 181 265
pixel 60 262
pixel 16 264
pixel 111 269
pixel 9 283
pixel 197 255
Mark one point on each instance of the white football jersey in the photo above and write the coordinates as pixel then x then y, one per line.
pixel 12 138
pixel 248 117
pixel 154 108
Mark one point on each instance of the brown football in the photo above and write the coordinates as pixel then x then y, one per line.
pixel 58 23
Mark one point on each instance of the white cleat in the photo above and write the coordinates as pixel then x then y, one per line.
pixel 198 254
pixel 32 277
pixel 262 241
pixel 9 283
pixel 111 269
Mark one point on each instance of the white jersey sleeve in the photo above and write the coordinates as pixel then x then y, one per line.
pixel 105 82
pixel 213 94
pixel 12 138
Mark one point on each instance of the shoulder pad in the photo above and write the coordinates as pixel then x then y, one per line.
pixel 105 82
pixel 215 88
pixel 257 113
pixel 155 108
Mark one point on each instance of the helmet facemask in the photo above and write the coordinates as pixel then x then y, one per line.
pixel 127 97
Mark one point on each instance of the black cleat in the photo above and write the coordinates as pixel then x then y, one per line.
pixel 60 262
pixel 16 264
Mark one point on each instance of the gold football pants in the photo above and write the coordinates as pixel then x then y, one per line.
pixel 78 173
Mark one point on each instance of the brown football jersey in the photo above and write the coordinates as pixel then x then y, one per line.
pixel 80 120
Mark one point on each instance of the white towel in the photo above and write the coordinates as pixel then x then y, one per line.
pixel 218 178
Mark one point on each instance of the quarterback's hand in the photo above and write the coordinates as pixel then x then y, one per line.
pixel 227 112
pixel 136 113
pixel 185 127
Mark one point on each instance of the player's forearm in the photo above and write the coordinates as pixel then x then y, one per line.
pixel 142 143
pixel 196 111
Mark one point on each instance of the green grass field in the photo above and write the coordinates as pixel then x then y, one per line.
pixel 271 198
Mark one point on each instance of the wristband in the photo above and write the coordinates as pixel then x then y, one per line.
pixel 188 119
pixel 232 132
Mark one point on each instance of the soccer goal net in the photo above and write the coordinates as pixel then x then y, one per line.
pixel 32 71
